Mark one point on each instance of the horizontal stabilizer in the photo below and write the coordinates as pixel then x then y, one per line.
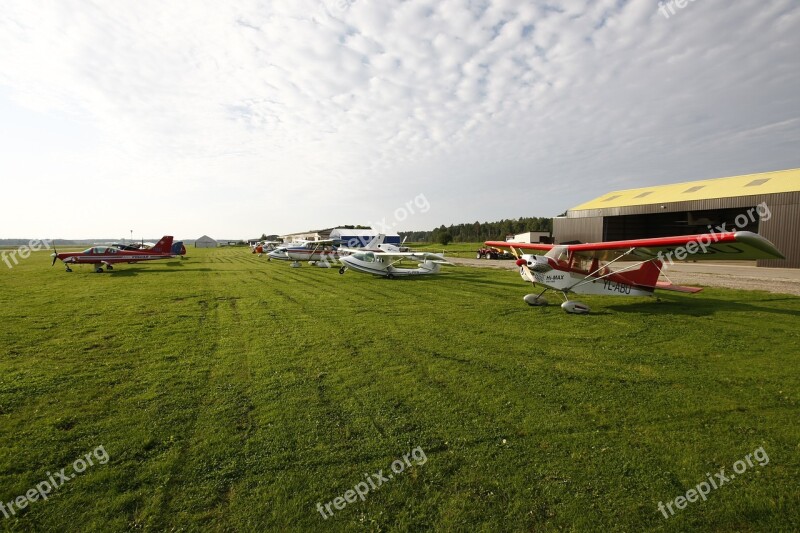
pixel 667 286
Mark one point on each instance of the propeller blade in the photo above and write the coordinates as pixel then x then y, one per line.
pixel 523 264
pixel 54 255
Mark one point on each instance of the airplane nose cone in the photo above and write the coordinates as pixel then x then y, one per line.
pixel 521 262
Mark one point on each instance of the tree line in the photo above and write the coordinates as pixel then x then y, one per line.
pixel 480 231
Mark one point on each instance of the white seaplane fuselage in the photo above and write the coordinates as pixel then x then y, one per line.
pixel 374 263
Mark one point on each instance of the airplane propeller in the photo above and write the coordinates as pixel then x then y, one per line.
pixel 523 264
pixel 54 255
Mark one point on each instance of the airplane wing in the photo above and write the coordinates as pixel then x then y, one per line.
pixel 729 246
pixel 418 256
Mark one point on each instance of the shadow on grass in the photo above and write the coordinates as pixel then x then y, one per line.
pixel 479 279
pixel 676 305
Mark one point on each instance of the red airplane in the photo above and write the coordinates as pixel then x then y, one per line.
pixel 107 255
pixel 584 268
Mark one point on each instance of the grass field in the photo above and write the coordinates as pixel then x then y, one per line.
pixel 229 393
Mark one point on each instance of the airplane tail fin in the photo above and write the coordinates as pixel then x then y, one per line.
pixel 375 243
pixel 646 275
pixel 164 246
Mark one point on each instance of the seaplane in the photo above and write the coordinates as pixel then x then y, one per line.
pixel 585 268
pixel 107 256
pixel 383 261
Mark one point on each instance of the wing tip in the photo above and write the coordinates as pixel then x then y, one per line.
pixel 759 242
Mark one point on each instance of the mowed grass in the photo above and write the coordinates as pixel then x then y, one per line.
pixel 235 394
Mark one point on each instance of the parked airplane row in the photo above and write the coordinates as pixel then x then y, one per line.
pixel 564 269
pixel 376 257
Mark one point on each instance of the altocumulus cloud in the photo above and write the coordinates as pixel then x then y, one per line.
pixel 510 108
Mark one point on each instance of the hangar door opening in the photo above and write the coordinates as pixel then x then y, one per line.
pixel 624 227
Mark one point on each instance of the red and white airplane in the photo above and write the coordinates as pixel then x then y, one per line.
pixel 584 268
pixel 108 255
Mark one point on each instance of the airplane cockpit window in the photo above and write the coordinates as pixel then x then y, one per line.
pixel 367 257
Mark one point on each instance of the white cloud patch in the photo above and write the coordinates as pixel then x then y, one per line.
pixel 286 115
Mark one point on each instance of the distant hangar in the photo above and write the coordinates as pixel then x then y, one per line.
pixel 767 203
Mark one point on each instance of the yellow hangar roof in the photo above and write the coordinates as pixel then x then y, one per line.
pixel 748 185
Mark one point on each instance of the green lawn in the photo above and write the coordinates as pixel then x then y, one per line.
pixel 230 393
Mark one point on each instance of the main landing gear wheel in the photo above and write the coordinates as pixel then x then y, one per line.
pixel 390 275
pixel 98 270
pixel 341 270
pixel 575 307
pixel 69 269
pixel 534 300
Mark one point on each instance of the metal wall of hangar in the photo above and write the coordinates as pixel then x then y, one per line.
pixel 777 218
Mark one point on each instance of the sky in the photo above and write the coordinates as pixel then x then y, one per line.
pixel 239 118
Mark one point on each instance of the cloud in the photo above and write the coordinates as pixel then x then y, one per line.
pixel 286 115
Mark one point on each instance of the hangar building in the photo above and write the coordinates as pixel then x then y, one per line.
pixel 767 203
pixel 205 242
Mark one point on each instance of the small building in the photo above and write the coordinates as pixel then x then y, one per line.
pixel 205 242
pixel 356 238
pixel 766 203
pixel 531 237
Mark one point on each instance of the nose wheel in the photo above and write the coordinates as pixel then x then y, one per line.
pixel 342 270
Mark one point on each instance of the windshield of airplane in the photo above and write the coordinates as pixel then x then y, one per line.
pixel 100 250
pixel 367 257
